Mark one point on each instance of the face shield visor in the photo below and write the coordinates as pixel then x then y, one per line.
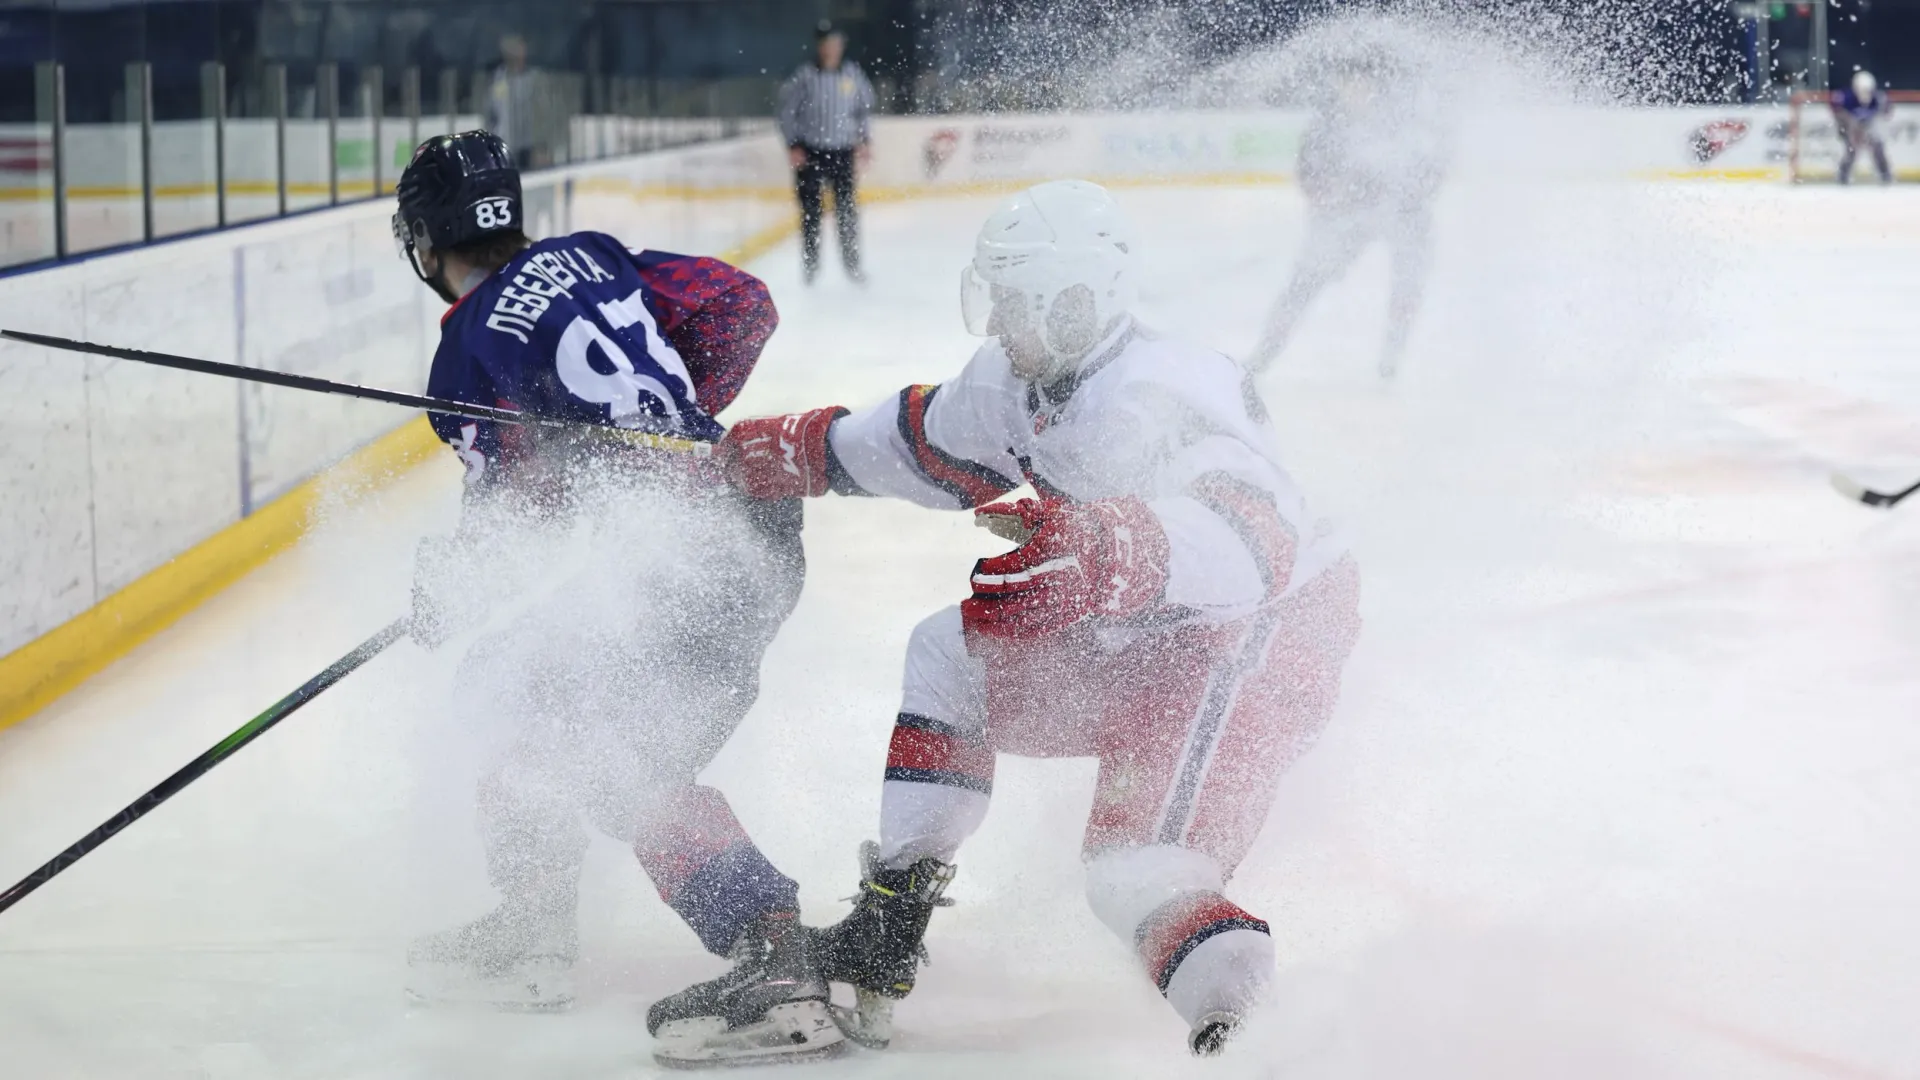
pixel 991 310
pixel 976 301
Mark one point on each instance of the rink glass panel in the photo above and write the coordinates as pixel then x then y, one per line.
pixel 103 186
pixel 26 193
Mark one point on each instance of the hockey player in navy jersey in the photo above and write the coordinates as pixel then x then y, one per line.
pixel 1861 111
pixel 617 690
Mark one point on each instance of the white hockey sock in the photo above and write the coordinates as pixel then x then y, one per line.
pixel 919 821
pixel 1230 971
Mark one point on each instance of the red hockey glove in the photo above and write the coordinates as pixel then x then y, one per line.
pixel 779 457
pixel 1106 558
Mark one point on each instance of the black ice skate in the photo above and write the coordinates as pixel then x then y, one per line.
pixel 1213 1032
pixel 878 947
pixel 771 1008
pixel 517 957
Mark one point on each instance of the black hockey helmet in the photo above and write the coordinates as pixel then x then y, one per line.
pixel 457 189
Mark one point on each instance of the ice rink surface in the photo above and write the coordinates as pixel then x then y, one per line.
pixel 1625 780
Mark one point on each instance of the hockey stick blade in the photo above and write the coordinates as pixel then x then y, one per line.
pixel 200 766
pixel 1853 491
pixel 1861 494
pixel 646 439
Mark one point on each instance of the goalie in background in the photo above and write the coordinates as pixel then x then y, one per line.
pixel 1861 111
pixel 1370 165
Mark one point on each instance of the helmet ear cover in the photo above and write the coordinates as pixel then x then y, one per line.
pixel 1073 326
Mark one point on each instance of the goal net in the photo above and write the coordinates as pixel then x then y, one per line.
pixel 1815 145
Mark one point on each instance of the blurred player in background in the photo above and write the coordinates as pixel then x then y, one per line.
pixel 1861 111
pixel 1171 610
pixel 1370 166
pixel 618 686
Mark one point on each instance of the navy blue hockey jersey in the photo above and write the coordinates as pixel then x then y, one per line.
pixel 579 327
pixel 1861 110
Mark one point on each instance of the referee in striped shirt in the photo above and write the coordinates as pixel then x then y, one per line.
pixel 824 108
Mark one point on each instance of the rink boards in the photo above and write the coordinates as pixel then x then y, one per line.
pixel 115 470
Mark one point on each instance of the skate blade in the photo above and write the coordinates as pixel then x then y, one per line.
pixel 458 986
pixel 793 1031
pixel 869 1023
pixel 457 1001
pixel 1212 1034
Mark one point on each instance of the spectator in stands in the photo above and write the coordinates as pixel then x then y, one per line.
pixel 1861 110
pixel 510 101
pixel 824 110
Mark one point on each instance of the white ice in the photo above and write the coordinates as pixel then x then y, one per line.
pixel 1625 780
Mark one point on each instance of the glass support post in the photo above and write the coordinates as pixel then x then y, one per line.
pixel 326 81
pixel 52 80
pixel 450 97
pixel 277 93
pixel 213 94
pixel 410 101
pixel 140 106
pixel 373 100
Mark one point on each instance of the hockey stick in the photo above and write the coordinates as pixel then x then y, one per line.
pixel 371 393
pixel 201 765
pixel 1872 498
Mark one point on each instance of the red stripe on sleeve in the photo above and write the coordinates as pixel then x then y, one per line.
pixel 1270 538
pixel 973 485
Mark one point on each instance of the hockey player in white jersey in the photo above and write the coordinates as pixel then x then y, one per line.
pixel 1171 610
pixel 1370 168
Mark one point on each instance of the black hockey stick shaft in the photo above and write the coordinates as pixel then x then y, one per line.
pixel 328 386
pixel 203 764
pixel 1861 494
pixel 281 378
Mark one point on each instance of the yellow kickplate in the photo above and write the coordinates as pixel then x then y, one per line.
pixel 40 671
pixel 64 657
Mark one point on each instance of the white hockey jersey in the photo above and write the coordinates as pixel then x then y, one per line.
pixel 1178 426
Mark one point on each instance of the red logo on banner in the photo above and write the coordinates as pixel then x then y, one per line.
pixel 1708 141
pixel 939 150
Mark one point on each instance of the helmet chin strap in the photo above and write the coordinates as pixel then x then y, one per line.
pixel 1062 363
pixel 437 281
pixel 1059 364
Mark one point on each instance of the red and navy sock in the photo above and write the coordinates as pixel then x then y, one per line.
pixel 1179 926
pixel 709 871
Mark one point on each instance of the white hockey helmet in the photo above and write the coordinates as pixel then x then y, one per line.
pixel 1864 84
pixel 1046 240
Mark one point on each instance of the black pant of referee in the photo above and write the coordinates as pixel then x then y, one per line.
pixel 823 167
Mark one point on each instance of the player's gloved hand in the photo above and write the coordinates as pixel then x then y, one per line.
pixel 1106 558
pixel 446 600
pixel 779 457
